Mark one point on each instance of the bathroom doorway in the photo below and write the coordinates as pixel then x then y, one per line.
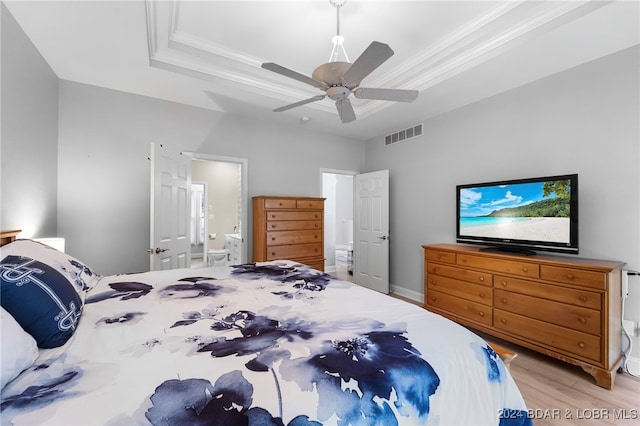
pixel 221 210
pixel 337 189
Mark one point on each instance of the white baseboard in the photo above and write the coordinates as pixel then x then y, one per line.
pixel 329 269
pixel 409 294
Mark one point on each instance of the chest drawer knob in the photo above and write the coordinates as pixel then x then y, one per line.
pixel 525 269
pixel 433 282
pixel 481 278
pixel 503 300
pixel 504 321
pixel 582 345
pixel 433 298
pixel 503 283
pixel 582 320
pixel 481 295
pixel 481 313
pixel 570 276
pixel 583 298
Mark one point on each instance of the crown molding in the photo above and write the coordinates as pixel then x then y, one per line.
pixel 504 27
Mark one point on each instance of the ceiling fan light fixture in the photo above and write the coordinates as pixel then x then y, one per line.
pixel 338 79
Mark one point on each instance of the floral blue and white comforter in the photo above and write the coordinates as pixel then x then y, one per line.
pixel 275 343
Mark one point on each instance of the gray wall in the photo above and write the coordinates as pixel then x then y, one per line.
pixel 104 184
pixel 29 135
pixel 584 120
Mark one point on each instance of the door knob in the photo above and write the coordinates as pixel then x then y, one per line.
pixel 384 237
pixel 157 250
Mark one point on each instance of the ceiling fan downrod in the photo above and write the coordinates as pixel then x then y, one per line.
pixel 338 40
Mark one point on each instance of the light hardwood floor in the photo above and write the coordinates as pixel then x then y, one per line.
pixel 557 393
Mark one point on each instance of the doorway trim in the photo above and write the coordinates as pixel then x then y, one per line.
pixel 205 242
pixel 244 190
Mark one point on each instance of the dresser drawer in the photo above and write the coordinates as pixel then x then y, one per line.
pixel 584 298
pixel 476 293
pixel 549 335
pixel 440 256
pixel 310 204
pixel 574 317
pixel 465 308
pixel 469 275
pixel 524 269
pixel 577 277
pixel 294 251
pixel 278 238
pixel 295 215
pixel 275 203
pixel 292 225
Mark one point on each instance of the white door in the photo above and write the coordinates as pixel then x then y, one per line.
pixel 371 223
pixel 170 245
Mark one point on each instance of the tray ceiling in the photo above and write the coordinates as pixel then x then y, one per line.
pixel 208 53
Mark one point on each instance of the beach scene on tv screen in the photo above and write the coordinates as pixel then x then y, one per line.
pixel 537 211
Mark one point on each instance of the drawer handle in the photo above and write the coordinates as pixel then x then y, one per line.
pixel 583 298
pixel 481 278
pixel 503 283
pixel 481 313
pixel 582 345
pixel 273 216
pixel 273 238
pixel 273 253
pixel 504 301
pixel 504 321
pixel 525 269
pixel 433 299
pixel 570 276
pixel 582 320
pixel 481 295
pixel 433 282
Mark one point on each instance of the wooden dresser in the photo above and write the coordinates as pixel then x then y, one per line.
pixel 289 228
pixel 565 307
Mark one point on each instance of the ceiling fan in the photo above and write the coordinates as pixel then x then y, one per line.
pixel 338 79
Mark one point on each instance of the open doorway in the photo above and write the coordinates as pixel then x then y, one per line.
pixel 223 208
pixel 337 189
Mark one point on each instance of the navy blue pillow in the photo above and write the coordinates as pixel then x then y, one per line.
pixel 41 299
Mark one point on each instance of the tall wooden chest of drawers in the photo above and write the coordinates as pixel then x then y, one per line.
pixel 565 307
pixel 289 228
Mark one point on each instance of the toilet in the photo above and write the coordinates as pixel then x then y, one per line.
pixel 217 257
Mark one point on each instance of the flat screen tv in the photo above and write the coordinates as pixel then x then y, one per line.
pixel 520 216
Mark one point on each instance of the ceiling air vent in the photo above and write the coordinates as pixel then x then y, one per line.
pixel 404 134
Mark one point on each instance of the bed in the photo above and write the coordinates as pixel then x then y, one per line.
pixel 273 343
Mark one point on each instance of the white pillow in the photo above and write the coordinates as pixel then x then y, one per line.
pixel 19 349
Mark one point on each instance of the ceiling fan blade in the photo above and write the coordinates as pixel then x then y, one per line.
pixel 386 94
pixel 372 57
pixel 293 74
pixel 297 104
pixel 345 110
